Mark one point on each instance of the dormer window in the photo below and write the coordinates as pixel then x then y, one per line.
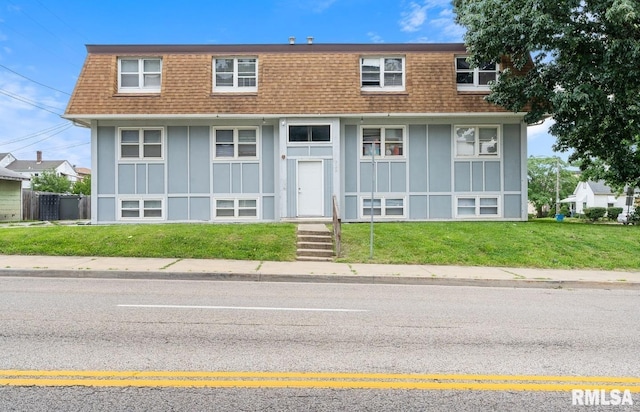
pixel 235 74
pixel 139 75
pixel 475 78
pixel 382 73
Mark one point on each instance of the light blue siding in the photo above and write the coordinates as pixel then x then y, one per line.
pixel 250 178
pixel 199 152
pixel 512 206
pixel 321 151
pixel 440 207
pixel 350 159
pixel 298 151
pixel 236 178
pixel 221 178
pixel 127 179
pixel 156 178
pixel 462 171
pixel 268 208
pixel 417 158
pixel 350 211
pixel 292 188
pixel 177 159
pixel 477 176
pixel 365 177
pixel 268 160
pixel 383 177
pixel 328 187
pixel 512 153
pixel 106 167
pixel 178 208
pixel 492 176
pixel 106 209
pixel 417 207
pixel 398 177
pixel 439 158
pixel 200 208
pixel 141 179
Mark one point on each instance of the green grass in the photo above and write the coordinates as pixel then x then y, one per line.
pixel 541 243
pixel 537 244
pixel 245 242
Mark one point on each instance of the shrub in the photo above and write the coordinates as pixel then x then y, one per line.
pixel 595 213
pixel 613 212
pixel 564 210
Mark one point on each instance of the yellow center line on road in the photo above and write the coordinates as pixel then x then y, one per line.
pixel 314 380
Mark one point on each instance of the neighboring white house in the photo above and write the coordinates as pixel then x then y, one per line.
pixel 595 194
pixel 31 168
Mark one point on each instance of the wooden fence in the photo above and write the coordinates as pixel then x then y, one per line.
pixel 54 206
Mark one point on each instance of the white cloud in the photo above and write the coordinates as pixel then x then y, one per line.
pixel 374 37
pixel 413 19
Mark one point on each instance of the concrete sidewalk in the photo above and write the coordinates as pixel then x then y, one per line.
pixel 328 272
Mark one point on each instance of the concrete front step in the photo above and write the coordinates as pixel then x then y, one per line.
pixel 315 245
pixel 314 259
pixel 315 253
pixel 315 238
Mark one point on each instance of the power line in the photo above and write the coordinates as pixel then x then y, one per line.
pixel 31 102
pixel 34 81
pixel 42 140
pixel 84 38
pixel 35 134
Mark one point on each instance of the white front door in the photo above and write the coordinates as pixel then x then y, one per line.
pixel 310 188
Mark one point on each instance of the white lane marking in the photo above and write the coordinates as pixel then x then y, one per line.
pixel 243 308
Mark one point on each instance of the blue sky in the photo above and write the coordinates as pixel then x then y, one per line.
pixel 42 49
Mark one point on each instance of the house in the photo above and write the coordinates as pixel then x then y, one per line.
pixel 240 133
pixel 596 194
pixel 10 194
pixel 31 168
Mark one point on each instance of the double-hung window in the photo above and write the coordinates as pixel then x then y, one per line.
pixel 478 141
pixel 383 206
pixel 139 75
pixel 477 206
pixel 383 141
pixel 237 208
pixel 236 143
pixel 475 78
pixel 235 74
pixel 141 143
pixel 141 209
pixel 382 73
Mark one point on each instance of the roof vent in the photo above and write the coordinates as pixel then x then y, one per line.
pixel 292 40
pixel 310 40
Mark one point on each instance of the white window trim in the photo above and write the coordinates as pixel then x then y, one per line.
pixel 310 142
pixel 476 144
pixel 383 207
pixel 477 206
pixel 235 88
pixel 476 86
pixel 141 144
pixel 141 208
pixel 236 143
pixel 140 88
pixel 382 154
pixel 382 86
pixel 236 208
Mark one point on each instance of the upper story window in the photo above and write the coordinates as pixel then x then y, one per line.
pixel 235 74
pixel 307 134
pixel 383 141
pixel 139 75
pixel 482 141
pixel 236 143
pixel 141 143
pixel 382 73
pixel 475 78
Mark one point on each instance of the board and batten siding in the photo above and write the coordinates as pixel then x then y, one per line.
pixel 10 200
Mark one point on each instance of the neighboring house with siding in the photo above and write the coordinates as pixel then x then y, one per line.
pixel 595 194
pixel 221 133
pixel 10 194
pixel 33 168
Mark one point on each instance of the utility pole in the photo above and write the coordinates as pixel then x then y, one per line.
pixel 557 185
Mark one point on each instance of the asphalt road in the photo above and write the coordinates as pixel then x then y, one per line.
pixel 376 333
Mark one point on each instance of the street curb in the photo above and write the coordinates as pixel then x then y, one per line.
pixel 318 278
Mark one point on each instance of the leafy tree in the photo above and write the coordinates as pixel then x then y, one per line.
pixel 542 175
pixel 585 74
pixel 49 181
pixel 82 187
